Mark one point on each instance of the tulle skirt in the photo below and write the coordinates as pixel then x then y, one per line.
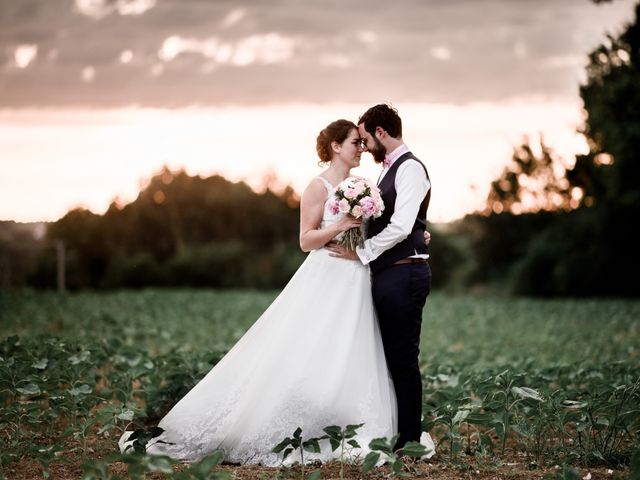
pixel 313 359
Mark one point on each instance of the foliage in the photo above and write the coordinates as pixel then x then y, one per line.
pixel 612 99
pixel 587 246
pixel 139 464
pixel 296 442
pixel 555 381
pixel 384 448
pixel 536 179
pixel 343 438
pixel 586 252
pixel 20 246
pixel 533 181
pixel 446 259
pixel 180 231
pixel 499 241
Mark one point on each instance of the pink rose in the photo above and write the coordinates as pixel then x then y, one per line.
pixel 356 211
pixel 368 206
pixel 359 188
pixel 350 193
pixel 343 206
pixel 333 206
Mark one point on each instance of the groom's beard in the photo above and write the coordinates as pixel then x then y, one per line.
pixel 380 151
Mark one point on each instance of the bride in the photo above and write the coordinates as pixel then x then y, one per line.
pixel 313 359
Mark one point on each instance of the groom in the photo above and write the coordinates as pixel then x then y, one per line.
pixel 396 253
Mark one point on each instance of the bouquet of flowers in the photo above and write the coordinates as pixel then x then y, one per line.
pixel 360 198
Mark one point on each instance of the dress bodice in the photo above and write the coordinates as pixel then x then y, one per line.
pixel 328 217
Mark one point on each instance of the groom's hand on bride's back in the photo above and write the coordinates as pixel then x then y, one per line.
pixel 339 251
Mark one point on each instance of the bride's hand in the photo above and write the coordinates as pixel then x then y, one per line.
pixel 427 237
pixel 347 222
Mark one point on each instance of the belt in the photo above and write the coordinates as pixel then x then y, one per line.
pixel 409 260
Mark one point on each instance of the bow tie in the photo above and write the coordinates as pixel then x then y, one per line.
pixel 386 162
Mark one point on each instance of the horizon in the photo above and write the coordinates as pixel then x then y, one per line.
pixel 462 146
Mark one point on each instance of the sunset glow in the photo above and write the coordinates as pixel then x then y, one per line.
pixel 56 160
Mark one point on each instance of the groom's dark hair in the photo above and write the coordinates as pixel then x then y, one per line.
pixel 384 116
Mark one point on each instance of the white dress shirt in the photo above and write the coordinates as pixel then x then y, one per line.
pixel 411 185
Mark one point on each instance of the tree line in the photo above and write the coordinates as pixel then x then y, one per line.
pixel 180 231
pixel 551 229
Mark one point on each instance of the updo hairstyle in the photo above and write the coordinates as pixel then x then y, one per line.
pixel 336 131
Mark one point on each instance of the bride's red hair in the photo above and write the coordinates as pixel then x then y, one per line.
pixel 336 131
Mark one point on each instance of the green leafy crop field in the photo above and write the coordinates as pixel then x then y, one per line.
pixel 525 388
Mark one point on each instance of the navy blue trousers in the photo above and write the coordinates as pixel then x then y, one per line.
pixel 399 294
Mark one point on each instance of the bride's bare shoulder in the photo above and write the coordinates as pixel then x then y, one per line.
pixel 316 183
pixel 315 189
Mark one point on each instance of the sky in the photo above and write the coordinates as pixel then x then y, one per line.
pixel 97 95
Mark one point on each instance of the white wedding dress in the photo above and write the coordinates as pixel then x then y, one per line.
pixel 313 359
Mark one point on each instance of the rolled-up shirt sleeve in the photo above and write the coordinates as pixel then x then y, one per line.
pixel 411 185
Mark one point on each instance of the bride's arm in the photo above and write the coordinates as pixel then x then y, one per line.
pixel 312 236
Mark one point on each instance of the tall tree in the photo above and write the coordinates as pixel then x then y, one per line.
pixel 591 249
pixel 609 172
pixel 534 180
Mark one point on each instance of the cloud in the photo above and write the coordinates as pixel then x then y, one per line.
pixel 25 54
pixel 335 60
pixel 101 8
pixel 441 53
pixel 233 17
pixel 88 74
pixel 266 49
pixel 520 50
pixel 187 52
pixel 367 36
pixel 262 49
pixel 126 56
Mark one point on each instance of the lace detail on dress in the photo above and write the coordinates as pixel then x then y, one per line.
pixel 193 436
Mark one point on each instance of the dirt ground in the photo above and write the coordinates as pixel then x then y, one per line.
pixel 435 468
